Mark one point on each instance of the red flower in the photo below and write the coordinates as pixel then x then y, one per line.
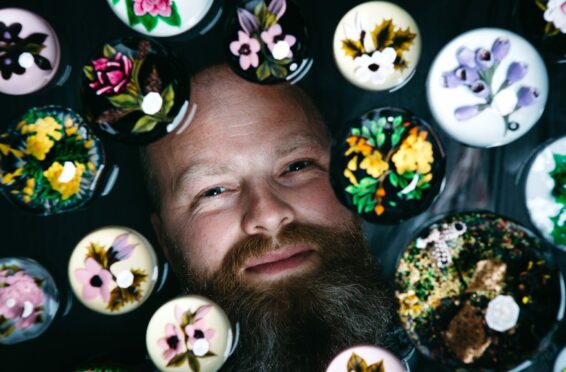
pixel 112 75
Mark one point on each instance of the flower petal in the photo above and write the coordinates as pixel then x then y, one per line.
pixel 89 292
pixel 83 276
pixel 92 266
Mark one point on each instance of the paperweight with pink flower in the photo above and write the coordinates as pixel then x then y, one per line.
pixel 544 21
pixel 377 46
pixel 388 165
pixel 113 270
pixel 487 87
pixel 478 291
pixel 165 18
pixel 189 333
pixel 267 41
pixel 50 161
pixel 135 90
pixel 29 300
pixel 30 52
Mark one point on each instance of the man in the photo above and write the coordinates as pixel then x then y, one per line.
pixel 247 217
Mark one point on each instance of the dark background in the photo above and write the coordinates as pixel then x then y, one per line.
pixel 476 178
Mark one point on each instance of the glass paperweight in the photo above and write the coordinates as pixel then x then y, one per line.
pixel 377 46
pixel 30 52
pixel 267 41
pixel 544 21
pixel 113 270
pixel 545 191
pixel 487 87
pixel 135 90
pixel 189 333
pixel 29 300
pixel 165 18
pixel 366 358
pixel 50 161
pixel 387 166
pixel 477 291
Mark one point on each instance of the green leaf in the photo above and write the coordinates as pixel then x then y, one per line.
pixel 263 71
pixel 123 100
pixel 145 124
pixel 382 34
pixel 108 51
pixel 393 179
pixel 382 122
pixel 89 72
pixel 34 48
pixel 177 360
pixel 371 142
pixel 194 364
pixel 398 120
pixel 278 71
pixel 408 175
pixel 265 17
pixel 365 132
pixel 392 203
pixel 149 21
pixel 355 132
pixel 395 138
pixel 351 189
pixel 168 96
pixel 114 2
pixel 132 18
pixel 174 19
pixel 380 137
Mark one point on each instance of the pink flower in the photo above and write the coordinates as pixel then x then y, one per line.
pixel 246 47
pixel 19 299
pixel 28 321
pixel 153 7
pixel 197 330
pixel 173 343
pixel 112 75
pixel 95 280
pixel 274 36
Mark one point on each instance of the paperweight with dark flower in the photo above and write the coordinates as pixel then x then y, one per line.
pixel 387 166
pixel 50 161
pixel 135 90
pixel 478 291
pixel 267 41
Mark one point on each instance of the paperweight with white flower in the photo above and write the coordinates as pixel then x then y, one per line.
pixel 113 270
pixel 30 52
pixel 545 191
pixel 365 358
pixel 477 291
pixel 487 87
pixel 267 41
pixel 377 46
pixel 50 161
pixel 135 90
pixel 544 21
pixel 165 18
pixel 387 166
pixel 189 333
pixel 29 300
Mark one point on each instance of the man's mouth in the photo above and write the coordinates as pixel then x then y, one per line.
pixel 279 261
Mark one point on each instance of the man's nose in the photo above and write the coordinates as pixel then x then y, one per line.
pixel 265 210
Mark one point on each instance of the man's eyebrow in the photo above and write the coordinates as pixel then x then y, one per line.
pixel 199 169
pixel 302 140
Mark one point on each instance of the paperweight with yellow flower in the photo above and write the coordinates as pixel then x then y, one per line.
pixel 50 161
pixel 388 166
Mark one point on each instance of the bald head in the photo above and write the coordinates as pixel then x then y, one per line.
pixel 225 101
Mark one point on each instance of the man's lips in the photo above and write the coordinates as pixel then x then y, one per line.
pixel 279 260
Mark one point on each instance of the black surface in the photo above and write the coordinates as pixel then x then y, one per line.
pixel 476 178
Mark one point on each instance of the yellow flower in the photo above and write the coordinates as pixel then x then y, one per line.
pixel 88 144
pixel 38 146
pixel 6 149
pixel 68 123
pixel 351 177
pixel 358 145
pixel 91 166
pixel 415 154
pixel 9 177
pixel 26 198
pixel 66 189
pixel 30 184
pixel 409 304
pixel 374 164
pixel 46 126
pixel 71 131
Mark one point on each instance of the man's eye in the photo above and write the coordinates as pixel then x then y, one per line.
pixel 298 165
pixel 213 192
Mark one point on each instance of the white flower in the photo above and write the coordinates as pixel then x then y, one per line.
pixel 556 13
pixel 505 102
pixel 502 313
pixel 377 67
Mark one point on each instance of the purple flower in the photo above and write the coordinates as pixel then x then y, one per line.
pixel 466 74
pixel 277 7
pixel 516 72
pixel 484 58
pixel 450 80
pixel 527 96
pixel 466 57
pixel 480 88
pixel 246 47
pixel 248 21
pixel 121 246
pixel 500 48
pixel 466 112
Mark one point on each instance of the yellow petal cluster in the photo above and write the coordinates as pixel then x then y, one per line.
pixel 415 154
pixel 41 136
pixel 66 189
pixel 374 164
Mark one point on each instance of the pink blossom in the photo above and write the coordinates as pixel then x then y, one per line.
pixel 274 34
pixel 95 280
pixel 173 342
pixel 246 47
pixel 20 297
pixel 153 7
pixel 112 75
pixel 28 321
pixel 197 329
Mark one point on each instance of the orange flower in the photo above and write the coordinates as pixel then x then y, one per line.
pixel 358 145
pixel 380 192
pixel 379 209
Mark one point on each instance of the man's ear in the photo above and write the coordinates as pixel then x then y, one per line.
pixel 158 228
